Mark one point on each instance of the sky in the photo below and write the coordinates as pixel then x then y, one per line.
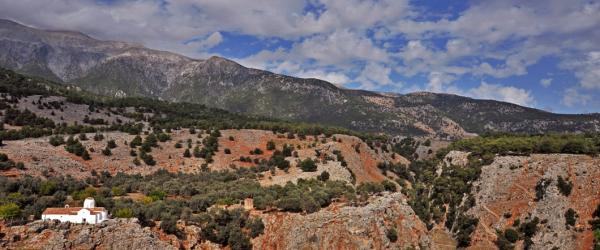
pixel 538 53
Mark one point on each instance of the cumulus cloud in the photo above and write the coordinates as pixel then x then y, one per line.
pixel 338 53
pixel 375 75
pixel 587 69
pixel 572 97
pixel 339 47
pixel 438 81
pixel 502 93
pixel 213 40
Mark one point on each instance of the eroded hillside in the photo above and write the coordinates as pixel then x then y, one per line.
pixel 515 190
pixel 357 164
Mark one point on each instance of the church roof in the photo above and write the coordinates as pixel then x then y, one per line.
pixel 71 210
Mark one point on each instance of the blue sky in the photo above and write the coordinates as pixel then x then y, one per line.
pixel 542 54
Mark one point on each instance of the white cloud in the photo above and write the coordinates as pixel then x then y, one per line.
pixel 587 69
pixel 213 40
pixel 438 81
pixel 329 56
pixel 333 77
pixel 459 47
pixel 573 97
pixel 375 75
pixel 339 47
pixel 546 82
pixel 442 83
pixel 502 93
pixel 197 46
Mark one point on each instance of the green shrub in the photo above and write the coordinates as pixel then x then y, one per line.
pixel 169 225
pixel 291 204
pixel 86 155
pixel 465 226
pixel 106 151
pixel 162 137
pixel 324 176
pixel 389 186
pixel 237 240
pixel 98 137
pixel 540 188
pixel 256 151
pixel 111 144
pixel 392 234
pixel 564 186
pixel 147 158
pixel 502 242
pixel 117 191
pixel 570 217
pixel 308 165
pixel 197 152
pixel 83 137
pixel 511 235
pixel 56 140
pixel 9 211
pixel 529 229
pixel 279 161
pixel 595 222
pixel 137 141
pixel 256 227
pixel 125 213
pixel 157 195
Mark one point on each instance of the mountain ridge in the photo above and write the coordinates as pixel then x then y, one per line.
pixel 121 69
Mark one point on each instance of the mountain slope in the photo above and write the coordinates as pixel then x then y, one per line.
pixel 124 69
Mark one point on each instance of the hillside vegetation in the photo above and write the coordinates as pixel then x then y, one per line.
pixel 158 114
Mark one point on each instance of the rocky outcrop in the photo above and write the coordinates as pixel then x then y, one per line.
pixel 506 192
pixel 347 227
pixel 111 234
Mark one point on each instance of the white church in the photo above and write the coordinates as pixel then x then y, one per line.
pixel 89 213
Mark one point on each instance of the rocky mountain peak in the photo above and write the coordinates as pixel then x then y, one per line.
pixel 127 69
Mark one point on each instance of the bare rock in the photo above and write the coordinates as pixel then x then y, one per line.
pixel 346 227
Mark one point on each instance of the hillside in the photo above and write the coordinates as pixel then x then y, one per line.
pixel 207 154
pixel 121 69
pixel 184 171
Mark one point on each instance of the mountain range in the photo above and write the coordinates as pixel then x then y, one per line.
pixel 122 69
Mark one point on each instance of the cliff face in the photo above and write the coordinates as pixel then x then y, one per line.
pixel 347 227
pixel 509 191
pixel 112 234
